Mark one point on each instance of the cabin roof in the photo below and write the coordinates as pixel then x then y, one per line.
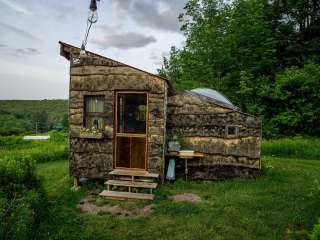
pixel 66 50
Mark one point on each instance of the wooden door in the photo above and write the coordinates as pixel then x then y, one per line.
pixel 131 130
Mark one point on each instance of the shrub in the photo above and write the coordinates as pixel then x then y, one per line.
pixel 13 142
pixel 40 151
pixel 22 198
pixel 57 137
pixel 303 234
pixel 315 232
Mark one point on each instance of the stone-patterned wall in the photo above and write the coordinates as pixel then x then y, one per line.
pixel 201 125
pixel 94 75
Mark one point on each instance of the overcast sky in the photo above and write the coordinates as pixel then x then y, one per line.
pixel 136 32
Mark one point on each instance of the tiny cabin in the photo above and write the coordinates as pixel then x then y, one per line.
pixel 121 119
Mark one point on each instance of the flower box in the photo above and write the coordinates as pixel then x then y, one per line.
pixel 98 135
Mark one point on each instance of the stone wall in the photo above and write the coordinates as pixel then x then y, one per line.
pixel 95 75
pixel 201 125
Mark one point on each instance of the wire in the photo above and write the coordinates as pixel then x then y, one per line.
pixel 88 27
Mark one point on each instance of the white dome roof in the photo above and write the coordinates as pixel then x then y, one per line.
pixel 213 94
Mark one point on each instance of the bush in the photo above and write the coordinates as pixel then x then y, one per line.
pixel 315 232
pixel 296 96
pixel 57 137
pixel 13 142
pixel 303 234
pixel 22 198
pixel 40 151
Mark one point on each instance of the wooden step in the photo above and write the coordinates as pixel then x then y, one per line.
pixel 134 173
pixel 126 195
pixel 129 178
pixel 132 184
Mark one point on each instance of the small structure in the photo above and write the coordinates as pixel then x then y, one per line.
pixel 36 137
pixel 121 118
pixel 58 127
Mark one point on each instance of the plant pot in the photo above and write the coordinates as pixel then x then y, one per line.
pixel 91 135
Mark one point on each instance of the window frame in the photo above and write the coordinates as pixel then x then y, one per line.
pixel 236 133
pixel 93 114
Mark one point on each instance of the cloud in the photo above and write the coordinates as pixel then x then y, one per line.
pixel 62 10
pixel 16 7
pixel 26 51
pixel 18 31
pixel 161 14
pixel 156 56
pixel 18 52
pixel 124 40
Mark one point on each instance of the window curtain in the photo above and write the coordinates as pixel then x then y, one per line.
pixel 94 104
pixel 94 108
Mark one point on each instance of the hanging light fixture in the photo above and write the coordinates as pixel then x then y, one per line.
pixel 93 13
pixel 92 18
pixel 82 50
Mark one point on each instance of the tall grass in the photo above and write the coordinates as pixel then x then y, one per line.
pixel 40 151
pixel 297 147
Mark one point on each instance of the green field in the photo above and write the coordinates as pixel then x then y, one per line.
pixel 285 197
pixel 263 208
pixel 40 151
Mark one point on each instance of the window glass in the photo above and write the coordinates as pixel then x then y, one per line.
pixel 131 113
pixel 94 104
pixel 232 131
pixel 94 118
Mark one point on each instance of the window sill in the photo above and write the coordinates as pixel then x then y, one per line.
pixel 91 135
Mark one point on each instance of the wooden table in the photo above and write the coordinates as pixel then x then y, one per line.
pixel 186 157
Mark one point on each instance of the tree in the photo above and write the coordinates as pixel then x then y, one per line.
pixel 41 121
pixel 298 92
pixel 65 121
pixel 243 48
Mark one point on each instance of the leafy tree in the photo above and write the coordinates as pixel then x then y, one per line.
pixel 65 121
pixel 19 116
pixel 41 121
pixel 249 49
pixel 298 92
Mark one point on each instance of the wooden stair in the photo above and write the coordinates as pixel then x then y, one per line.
pixel 133 173
pixel 126 195
pixel 150 185
pixel 130 179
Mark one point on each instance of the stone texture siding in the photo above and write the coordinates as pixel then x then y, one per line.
pixel 201 125
pixel 94 158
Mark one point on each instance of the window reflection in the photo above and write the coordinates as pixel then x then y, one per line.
pixel 132 110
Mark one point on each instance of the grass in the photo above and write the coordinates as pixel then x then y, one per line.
pixel 40 151
pixel 237 209
pixel 298 147
pixel 263 208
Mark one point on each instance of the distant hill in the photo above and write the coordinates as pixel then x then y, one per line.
pixel 27 116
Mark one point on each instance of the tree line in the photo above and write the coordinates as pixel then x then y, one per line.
pixel 262 54
pixel 32 116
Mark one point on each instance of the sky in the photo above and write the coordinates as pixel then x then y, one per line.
pixel 136 32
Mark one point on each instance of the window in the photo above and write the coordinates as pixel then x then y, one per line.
pixel 132 110
pixel 232 131
pixel 94 113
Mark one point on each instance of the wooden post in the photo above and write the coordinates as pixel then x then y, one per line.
pixel 75 186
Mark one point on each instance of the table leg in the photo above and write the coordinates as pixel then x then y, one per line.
pixel 186 168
